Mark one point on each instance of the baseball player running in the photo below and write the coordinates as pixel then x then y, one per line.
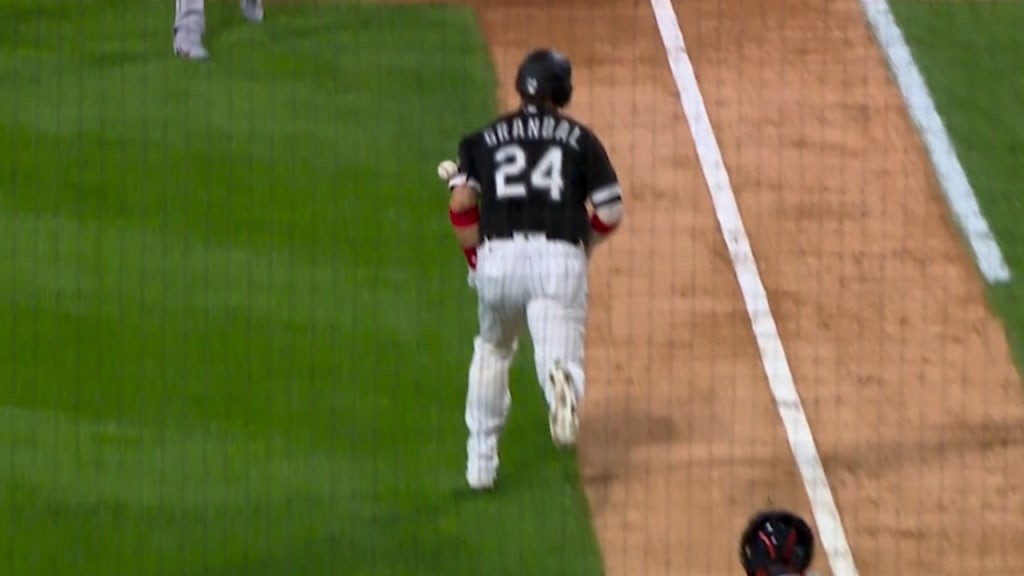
pixel 519 206
pixel 776 543
pixel 190 24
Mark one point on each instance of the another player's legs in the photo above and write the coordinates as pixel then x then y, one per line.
pixel 252 10
pixel 189 26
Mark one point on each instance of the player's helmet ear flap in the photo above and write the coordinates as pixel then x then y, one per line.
pixel 545 74
pixel 776 542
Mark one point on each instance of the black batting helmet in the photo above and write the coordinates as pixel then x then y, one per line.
pixel 545 74
pixel 776 543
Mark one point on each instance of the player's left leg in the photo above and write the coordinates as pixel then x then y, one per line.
pixel 189 26
pixel 487 406
pixel 501 304
pixel 252 10
pixel 556 315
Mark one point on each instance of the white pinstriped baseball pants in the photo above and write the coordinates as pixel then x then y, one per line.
pixel 524 281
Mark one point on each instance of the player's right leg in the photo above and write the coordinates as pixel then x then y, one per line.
pixel 556 328
pixel 556 315
pixel 189 26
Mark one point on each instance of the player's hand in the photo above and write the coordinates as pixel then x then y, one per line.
pixel 471 278
pixel 449 171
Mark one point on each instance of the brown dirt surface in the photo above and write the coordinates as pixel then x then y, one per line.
pixel 905 374
pixel 680 441
pixel 909 387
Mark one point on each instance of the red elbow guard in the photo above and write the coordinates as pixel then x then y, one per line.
pixel 465 218
pixel 600 227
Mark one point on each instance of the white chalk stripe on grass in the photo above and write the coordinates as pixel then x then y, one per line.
pixel 952 178
pixel 773 356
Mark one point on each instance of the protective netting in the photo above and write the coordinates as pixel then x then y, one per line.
pixel 235 329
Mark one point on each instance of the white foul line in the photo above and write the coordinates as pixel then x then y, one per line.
pixel 773 357
pixel 955 186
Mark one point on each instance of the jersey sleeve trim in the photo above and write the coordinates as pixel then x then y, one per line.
pixel 606 194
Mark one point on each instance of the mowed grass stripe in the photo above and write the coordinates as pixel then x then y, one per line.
pixel 971 54
pixel 238 326
pixel 75 461
pixel 76 267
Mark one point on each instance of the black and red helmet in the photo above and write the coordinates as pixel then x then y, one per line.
pixel 776 543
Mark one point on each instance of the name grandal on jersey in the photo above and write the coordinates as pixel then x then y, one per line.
pixel 519 128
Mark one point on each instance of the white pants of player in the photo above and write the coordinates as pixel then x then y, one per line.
pixel 524 281
pixel 190 15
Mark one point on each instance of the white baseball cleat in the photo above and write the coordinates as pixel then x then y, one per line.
pixel 481 473
pixel 252 10
pixel 563 418
pixel 189 46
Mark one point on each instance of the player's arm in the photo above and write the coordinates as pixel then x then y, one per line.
pixel 604 195
pixel 464 214
pixel 464 189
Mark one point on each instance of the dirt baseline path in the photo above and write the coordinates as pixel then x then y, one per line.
pixel 905 374
pixel 908 384
pixel 679 440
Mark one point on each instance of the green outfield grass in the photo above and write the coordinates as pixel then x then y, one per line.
pixel 972 55
pixel 235 324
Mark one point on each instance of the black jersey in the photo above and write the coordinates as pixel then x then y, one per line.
pixel 534 170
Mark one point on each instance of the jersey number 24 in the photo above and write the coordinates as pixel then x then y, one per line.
pixel 514 179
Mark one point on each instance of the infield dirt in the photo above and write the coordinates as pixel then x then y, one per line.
pixel 905 374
